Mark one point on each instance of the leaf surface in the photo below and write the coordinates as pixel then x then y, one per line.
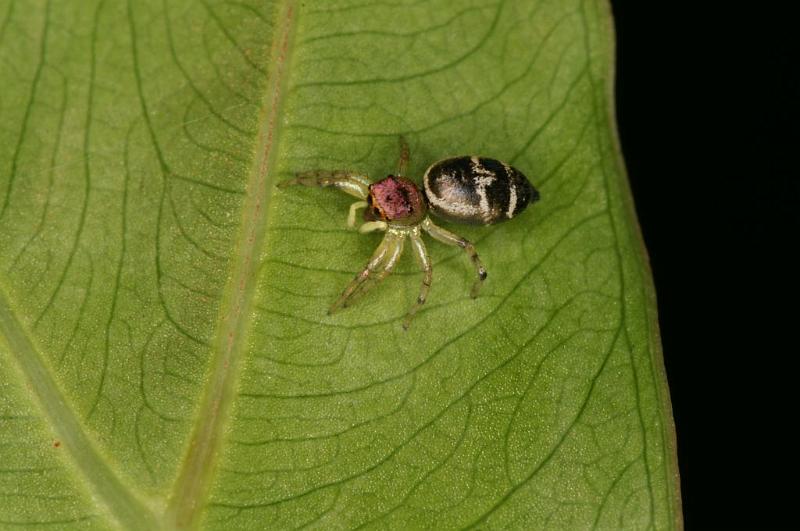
pixel 165 355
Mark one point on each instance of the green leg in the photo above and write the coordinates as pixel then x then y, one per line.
pixel 370 226
pixel 405 154
pixel 390 262
pixel 386 252
pixel 425 264
pixel 348 182
pixel 448 238
pixel 351 216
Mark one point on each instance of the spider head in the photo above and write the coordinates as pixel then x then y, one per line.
pixel 395 200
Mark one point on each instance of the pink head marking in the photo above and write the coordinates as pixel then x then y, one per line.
pixel 396 199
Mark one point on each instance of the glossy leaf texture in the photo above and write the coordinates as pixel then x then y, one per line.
pixel 166 360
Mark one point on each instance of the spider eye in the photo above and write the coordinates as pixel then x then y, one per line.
pixel 376 212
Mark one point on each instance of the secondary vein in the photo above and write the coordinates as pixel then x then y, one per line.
pixel 122 503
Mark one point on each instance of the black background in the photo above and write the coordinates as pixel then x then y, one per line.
pixel 707 111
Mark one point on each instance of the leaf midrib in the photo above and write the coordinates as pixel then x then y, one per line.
pixel 197 469
pixel 198 466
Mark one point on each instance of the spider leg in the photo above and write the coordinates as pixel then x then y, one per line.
pixel 449 238
pixel 352 183
pixel 351 216
pixel 370 226
pixel 425 264
pixel 405 154
pixel 389 263
pixel 385 251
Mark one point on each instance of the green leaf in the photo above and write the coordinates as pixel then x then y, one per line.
pixel 165 355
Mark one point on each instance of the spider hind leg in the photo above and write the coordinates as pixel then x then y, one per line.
pixel 405 154
pixel 449 238
pixel 424 262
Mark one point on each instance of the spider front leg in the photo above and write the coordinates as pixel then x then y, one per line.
pixel 383 261
pixel 348 182
pixel 351 183
pixel 447 237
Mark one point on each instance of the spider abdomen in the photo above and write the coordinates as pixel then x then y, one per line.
pixel 477 190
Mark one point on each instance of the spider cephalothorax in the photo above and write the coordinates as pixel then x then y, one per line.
pixel 395 199
pixel 473 190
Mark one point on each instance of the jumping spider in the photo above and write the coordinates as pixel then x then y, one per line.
pixel 467 189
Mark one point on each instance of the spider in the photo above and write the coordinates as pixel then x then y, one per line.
pixel 467 189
